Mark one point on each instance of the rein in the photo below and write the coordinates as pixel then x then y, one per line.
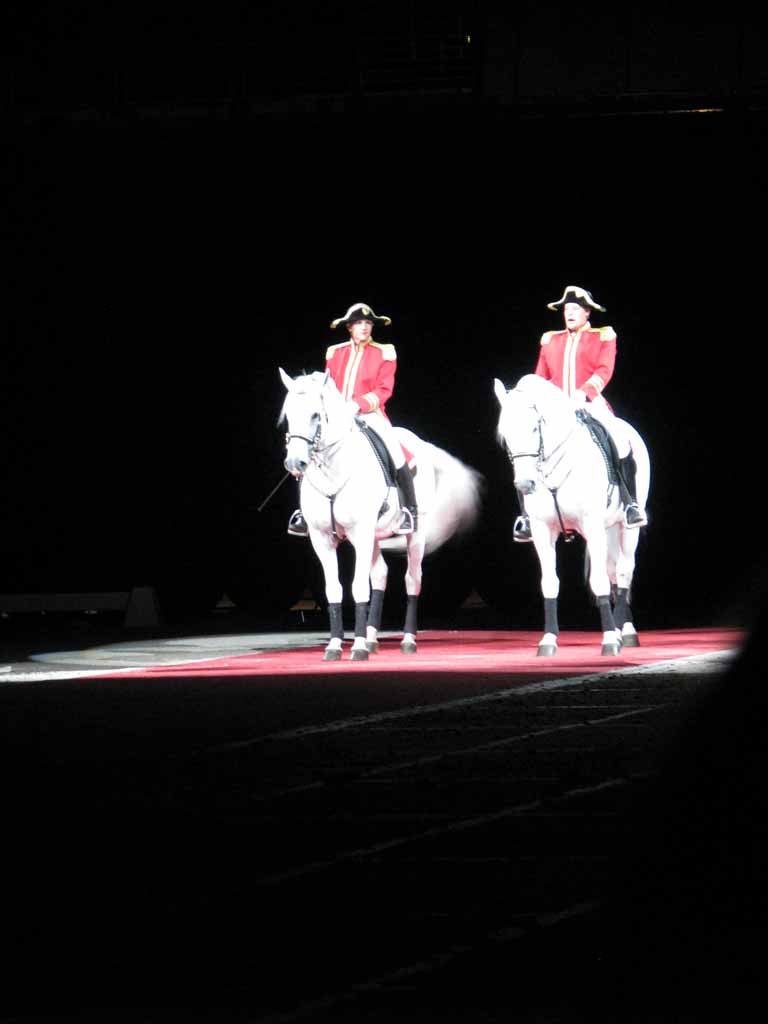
pixel 540 456
pixel 318 454
pixel 541 460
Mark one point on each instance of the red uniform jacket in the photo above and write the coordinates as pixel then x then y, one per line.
pixel 582 362
pixel 365 374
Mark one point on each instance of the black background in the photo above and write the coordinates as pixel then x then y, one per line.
pixel 170 247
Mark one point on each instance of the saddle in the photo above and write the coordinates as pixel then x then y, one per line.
pixel 381 452
pixel 384 459
pixel 599 434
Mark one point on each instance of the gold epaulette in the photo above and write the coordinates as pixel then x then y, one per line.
pixel 387 350
pixel 547 337
pixel 334 348
pixel 607 334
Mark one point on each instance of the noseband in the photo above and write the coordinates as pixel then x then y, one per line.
pixel 538 455
pixel 314 442
pixel 311 442
pixel 541 459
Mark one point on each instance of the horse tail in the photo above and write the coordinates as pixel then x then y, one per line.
pixel 458 497
pixel 456 505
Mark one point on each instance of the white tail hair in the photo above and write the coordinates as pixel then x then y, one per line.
pixel 457 502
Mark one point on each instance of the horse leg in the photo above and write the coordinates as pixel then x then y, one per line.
pixel 624 573
pixel 326 553
pixel 545 542
pixel 597 541
pixel 415 543
pixel 379 572
pixel 363 542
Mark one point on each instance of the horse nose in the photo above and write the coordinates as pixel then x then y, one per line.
pixel 525 486
pixel 295 466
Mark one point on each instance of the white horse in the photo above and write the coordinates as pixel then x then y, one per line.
pixel 345 495
pixel 564 476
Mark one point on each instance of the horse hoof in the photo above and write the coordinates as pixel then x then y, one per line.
pixel 408 647
pixel 332 654
pixel 359 654
pixel 546 651
pixel 373 646
pixel 610 650
pixel 630 640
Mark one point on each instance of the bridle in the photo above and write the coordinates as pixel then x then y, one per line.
pixel 315 448
pixel 542 459
pixel 312 442
pixel 318 454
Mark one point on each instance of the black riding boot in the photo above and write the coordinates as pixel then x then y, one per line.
pixel 634 516
pixel 409 516
pixel 521 530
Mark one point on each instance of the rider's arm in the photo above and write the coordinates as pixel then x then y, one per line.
pixel 602 366
pixel 377 396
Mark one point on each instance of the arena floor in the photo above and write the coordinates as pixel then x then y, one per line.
pixel 228 828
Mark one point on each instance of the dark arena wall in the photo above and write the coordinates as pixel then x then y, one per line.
pixel 182 228
pixel 203 820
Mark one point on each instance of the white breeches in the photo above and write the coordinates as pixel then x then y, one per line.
pixel 386 432
pixel 598 407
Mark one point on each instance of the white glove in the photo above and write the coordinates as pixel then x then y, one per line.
pixel 579 398
pixel 353 407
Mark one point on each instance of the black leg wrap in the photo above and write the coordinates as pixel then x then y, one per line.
pixel 361 618
pixel 411 618
pixel 375 610
pixel 337 625
pixel 550 616
pixel 606 614
pixel 622 612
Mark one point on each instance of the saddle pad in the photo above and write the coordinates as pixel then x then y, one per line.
pixel 381 452
pixel 599 434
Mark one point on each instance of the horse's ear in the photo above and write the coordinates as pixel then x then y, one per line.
pixel 499 390
pixel 286 379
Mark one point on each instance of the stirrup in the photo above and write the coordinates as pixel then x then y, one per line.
pixel 521 531
pixel 407 522
pixel 634 516
pixel 297 525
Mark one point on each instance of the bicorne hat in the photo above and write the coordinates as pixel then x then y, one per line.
pixel 360 311
pixel 573 293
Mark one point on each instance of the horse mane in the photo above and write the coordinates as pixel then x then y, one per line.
pixel 539 389
pixel 536 392
pixel 317 380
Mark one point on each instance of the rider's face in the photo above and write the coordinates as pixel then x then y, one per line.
pixel 360 330
pixel 575 316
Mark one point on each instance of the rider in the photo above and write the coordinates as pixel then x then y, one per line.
pixel 364 372
pixel 580 360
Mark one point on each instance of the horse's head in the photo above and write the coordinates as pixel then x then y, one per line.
pixel 536 417
pixel 312 406
pixel 519 431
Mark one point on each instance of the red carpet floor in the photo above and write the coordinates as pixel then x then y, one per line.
pixel 498 652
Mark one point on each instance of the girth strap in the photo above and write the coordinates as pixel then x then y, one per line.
pixel 568 535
